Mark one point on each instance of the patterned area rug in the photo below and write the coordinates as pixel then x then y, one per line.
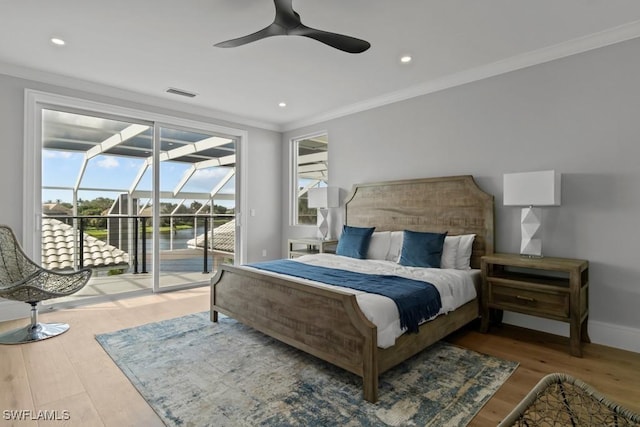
pixel 197 373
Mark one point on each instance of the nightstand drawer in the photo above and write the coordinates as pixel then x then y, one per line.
pixel 553 304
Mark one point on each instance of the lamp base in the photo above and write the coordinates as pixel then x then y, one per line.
pixel 531 228
pixel 323 223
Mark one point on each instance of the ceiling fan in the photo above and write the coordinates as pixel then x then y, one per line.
pixel 287 23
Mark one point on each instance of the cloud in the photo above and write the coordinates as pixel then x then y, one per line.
pixel 210 173
pixel 50 154
pixel 108 162
pixel 134 163
pixel 206 179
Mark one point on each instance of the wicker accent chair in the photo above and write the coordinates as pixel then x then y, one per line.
pixel 23 280
pixel 561 400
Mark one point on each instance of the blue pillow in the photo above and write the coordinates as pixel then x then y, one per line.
pixel 354 241
pixel 422 249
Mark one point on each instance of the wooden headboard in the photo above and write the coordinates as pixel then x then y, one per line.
pixel 454 204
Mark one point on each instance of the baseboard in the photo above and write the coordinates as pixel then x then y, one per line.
pixel 617 336
pixel 609 334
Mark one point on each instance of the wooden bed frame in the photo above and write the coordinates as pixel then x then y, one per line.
pixel 328 323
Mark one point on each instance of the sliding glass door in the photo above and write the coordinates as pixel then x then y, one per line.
pixel 89 216
pixel 196 205
pixel 145 204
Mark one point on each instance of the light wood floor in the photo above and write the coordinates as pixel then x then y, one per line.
pixel 72 373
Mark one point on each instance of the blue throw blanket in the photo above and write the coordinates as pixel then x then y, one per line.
pixel 416 300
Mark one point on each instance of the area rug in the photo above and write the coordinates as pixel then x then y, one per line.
pixel 197 373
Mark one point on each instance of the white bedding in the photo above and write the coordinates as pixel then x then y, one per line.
pixel 456 288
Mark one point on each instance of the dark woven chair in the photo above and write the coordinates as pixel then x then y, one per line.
pixel 23 280
pixel 561 400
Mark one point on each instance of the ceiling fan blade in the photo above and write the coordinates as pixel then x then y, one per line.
pixel 271 30
pixel 339 41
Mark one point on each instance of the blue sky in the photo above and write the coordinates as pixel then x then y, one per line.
pixel 61 169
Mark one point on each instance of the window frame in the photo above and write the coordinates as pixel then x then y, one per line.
pixel 294 176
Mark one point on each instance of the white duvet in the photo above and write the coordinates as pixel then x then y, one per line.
pixel 456 288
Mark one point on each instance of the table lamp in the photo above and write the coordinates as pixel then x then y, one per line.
pixel 532 189
pixel 323 198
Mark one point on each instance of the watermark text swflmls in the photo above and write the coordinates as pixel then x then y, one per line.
pixel 29 415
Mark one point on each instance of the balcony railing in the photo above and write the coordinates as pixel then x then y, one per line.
pixel 126 243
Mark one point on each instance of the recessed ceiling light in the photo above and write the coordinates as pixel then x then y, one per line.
pixel 406 59
pixel 57 41
pixel 282 104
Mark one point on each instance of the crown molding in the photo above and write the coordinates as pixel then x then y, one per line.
pixel 128 95
pixel 562 50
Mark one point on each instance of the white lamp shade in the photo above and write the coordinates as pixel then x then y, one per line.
pixel 532 188
pixel 323 197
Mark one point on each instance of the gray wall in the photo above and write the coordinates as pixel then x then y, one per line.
pixel 579 115
pixel 264 168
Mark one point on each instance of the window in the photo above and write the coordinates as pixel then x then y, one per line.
pixel 310 169
pixel 98 181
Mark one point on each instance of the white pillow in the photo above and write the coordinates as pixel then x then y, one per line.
pixel 463 258
pixel 453 256
pixel 450 252
pixel 396 246
pixel 379 245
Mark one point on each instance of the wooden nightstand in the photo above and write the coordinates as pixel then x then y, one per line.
pixel 306 246
pixel 553 288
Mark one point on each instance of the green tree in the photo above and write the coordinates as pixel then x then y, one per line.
pixel 220 210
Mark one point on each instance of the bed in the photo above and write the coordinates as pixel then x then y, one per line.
pixel 328 323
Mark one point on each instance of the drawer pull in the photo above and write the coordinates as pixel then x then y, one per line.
pixel 528 299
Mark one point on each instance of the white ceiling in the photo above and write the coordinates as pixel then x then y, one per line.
pixel 147 46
